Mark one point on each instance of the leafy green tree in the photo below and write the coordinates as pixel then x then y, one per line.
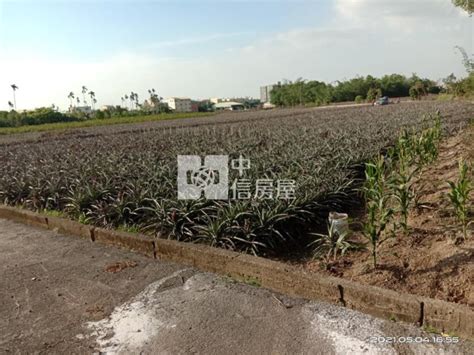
pixel 417 91
pixel 100 115
pixel 374 94
pixel 466 5
pixel 449 82
pixel 302 92
pixel 394 85
pixel 317 92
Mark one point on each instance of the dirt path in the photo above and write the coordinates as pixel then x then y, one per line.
pixel 61 294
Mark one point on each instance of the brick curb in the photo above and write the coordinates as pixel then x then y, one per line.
pixel 445 316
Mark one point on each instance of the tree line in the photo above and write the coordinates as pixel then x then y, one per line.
pixel 34 117
pixel 369 88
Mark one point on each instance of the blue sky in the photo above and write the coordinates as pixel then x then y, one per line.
pixel 217 48
pixel 93 29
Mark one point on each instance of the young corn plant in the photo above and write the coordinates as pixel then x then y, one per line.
pixel 379 214
pixel 406 142
pixel 401 185
pixel 426 144
pixel 459 196
pixel 411 152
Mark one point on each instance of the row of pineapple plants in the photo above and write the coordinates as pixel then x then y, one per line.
pixel 127 179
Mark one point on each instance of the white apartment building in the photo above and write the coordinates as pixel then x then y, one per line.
pixel 179 104
pixel 265 93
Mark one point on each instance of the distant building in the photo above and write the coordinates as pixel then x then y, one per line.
pixel 229 106
pixel 155 106
pixel 179 104
pixel 242 100
pixel 82 109
pixel 265 93
pixel 195 105
pixel 107 108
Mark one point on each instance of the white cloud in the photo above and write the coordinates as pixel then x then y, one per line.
pixel 363 37
pixel 381 11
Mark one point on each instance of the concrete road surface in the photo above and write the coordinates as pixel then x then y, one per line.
pixel 61 294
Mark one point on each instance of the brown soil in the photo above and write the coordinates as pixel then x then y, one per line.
pixel 431 260
pixel 119 266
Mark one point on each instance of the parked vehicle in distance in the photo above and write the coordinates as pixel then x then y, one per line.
pixel 382 101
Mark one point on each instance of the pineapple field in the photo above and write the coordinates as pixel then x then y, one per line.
pixel 127 178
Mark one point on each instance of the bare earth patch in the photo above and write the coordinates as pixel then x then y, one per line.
pixel 430 260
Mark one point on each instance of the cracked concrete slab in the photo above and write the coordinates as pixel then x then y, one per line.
pixel 63 294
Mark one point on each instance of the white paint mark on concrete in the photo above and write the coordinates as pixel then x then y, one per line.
pixel 349 332
pixel 133 324
pixel 346 344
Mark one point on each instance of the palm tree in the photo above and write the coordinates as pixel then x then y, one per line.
pixel 10 104
pixel 151 92
pixel 78 100
pixel 132 98
pixel 136 101
pixel 126 97
pixel 14 88
pixel 84 92
pixel 122 100
pixel 93 100
pixel 154 99
pixel 71 97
